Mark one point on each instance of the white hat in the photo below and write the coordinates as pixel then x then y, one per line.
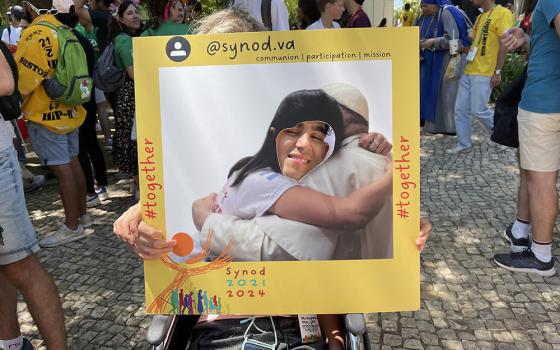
pixel 63 6
pixel 348 96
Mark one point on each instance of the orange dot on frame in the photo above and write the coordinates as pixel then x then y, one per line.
pixel 185 244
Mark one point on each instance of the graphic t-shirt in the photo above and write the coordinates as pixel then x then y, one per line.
pixel 92 38
pixel 541 92
pixel 489 27
pixel 407 18
pixel 168 28
pixel 36 59
pixel 255 195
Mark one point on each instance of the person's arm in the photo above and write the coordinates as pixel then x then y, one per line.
pixel 5 36
pixel 376 142
pixel 496 79
pixel 425 228
pixel 82 12
pixel 7 84
pixel 515 38
pixel 130 72
pixel 148 243
pixel 123 51
pixel 353 211
pixel 503 25
pixel 557 24
pixel 450 30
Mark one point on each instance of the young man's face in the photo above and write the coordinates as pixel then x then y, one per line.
pixel 301 148
pixel 336 9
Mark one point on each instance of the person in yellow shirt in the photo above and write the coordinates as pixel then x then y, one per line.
pixel 484 65
pixel 407 16
pixel 53 127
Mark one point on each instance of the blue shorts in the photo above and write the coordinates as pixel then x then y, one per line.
pixel 17 235
pixel 51 148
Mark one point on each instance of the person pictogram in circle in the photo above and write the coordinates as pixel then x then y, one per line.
pixel 178 49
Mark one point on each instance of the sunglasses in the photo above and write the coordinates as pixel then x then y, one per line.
pixel 41 12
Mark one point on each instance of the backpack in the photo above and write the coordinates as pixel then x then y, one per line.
pixel 106 75
pixel 71 84
pixel 10 106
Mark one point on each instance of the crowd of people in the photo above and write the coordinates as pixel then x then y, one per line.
pixel 461 63
pixel 461 59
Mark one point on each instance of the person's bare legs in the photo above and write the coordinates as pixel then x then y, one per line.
pixel 67 188
pixel 523 212
pixel 41 295
pixel 9 326
pixel 80 182
pixel 543 203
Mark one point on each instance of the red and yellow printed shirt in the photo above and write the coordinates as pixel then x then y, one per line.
pixel 36 59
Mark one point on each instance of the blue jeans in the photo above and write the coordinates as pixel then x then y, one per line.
pixel 17 236
pixel 472 99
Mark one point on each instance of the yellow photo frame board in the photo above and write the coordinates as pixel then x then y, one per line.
pixel 225 286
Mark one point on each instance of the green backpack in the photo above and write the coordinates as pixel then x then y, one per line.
pixel 71 84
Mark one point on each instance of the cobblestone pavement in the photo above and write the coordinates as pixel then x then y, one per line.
pixel 467 302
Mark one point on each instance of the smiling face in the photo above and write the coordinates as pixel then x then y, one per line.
pixel 301 148
pixel 131 17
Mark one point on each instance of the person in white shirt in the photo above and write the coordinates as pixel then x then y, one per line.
pixel 276 12
pixel 331 10
pixel 11 35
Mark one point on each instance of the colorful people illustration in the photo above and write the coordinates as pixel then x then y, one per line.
pixel 175 301
pixel 181 302
pixel 206 301
pixel 189 303
pixel 199 305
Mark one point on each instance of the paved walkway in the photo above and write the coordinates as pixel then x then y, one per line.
pixel 467 302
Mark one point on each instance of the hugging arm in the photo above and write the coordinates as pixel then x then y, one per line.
pixel 353 211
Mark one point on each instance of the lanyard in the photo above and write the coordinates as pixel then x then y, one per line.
pixel 486 24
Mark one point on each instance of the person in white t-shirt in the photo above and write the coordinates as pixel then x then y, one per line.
pixel 331 10
pixel 279 16
pixel 11 35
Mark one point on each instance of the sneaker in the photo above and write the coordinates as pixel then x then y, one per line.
pixel 517 244
pixel 34 183
pixel 102 193
pixel 63 235
pixel 525 261
pixel 86 220
pixel 457 149
pixel 92 201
